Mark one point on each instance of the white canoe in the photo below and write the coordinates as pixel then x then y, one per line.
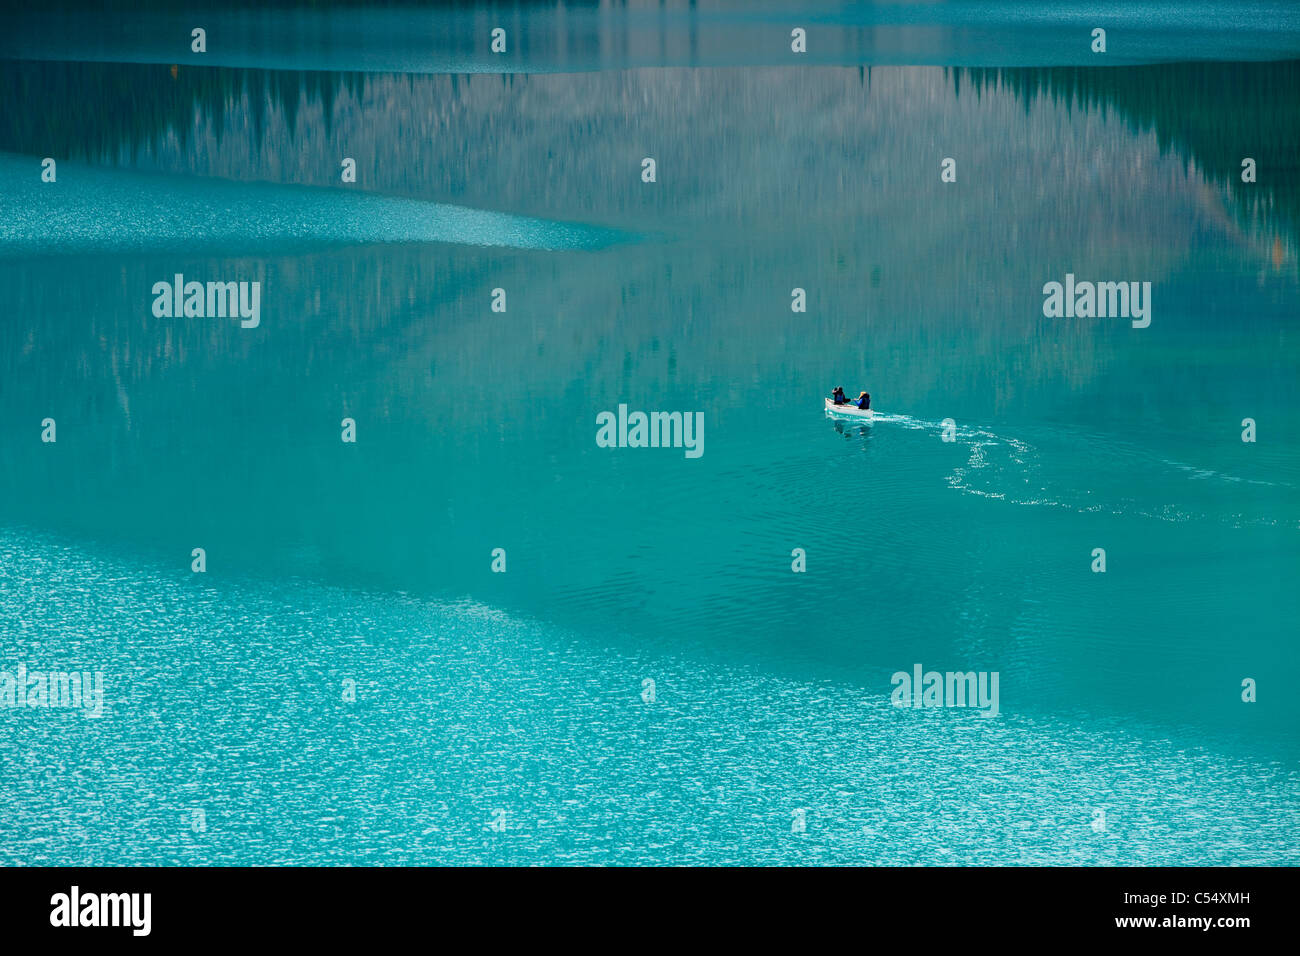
pixel 849 411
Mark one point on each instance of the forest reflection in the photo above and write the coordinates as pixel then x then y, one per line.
pixel 112 112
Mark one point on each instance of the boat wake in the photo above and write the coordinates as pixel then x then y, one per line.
pixel 1121 477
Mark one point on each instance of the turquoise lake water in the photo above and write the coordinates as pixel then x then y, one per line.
pixel 520 697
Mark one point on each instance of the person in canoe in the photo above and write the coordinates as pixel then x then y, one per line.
pixel 864 401
pixel 838 396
